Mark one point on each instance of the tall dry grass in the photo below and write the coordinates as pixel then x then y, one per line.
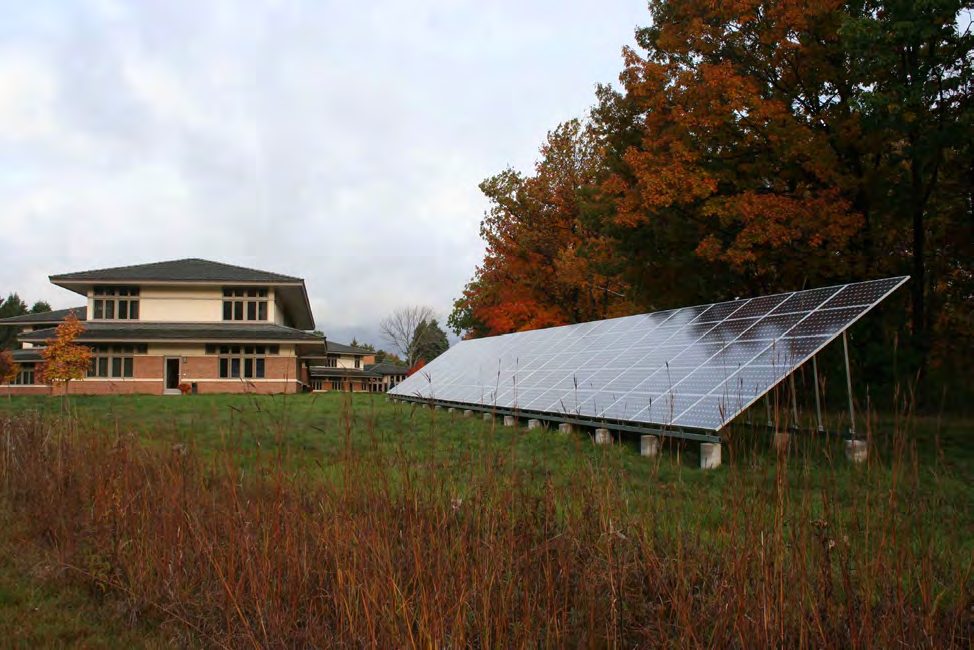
pixel 394 553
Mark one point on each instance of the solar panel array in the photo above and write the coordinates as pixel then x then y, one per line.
pixel 691 368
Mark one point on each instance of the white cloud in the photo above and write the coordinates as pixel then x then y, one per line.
pixel 343 143
pixel 26 94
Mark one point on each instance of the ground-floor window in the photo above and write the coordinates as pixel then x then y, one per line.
pixel 242 361
pixel 336 384
pixel 115 361
pixel 25 377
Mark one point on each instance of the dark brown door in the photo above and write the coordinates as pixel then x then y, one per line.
pixel 172 373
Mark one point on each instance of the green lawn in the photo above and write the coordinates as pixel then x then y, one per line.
pixel 314 431
pixel 311 434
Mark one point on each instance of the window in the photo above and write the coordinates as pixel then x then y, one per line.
pixel 259 349
pixel 243 303
pixel 25 377
pixel 242 361
pixel 336 384
pixel 358 362
pixel 331 361
pixel 115 361
pixel 116 303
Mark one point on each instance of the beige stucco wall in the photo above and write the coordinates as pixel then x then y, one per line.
pixel 188 304
pixel 277 310
pixel 348 362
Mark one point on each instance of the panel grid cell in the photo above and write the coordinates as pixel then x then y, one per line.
pixel 693 368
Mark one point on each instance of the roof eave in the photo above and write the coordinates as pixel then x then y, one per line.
pixel 299 309
pixel 71 283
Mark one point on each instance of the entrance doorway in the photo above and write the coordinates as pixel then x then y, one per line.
pixel 172 373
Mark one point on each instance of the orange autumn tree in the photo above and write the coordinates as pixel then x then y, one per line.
pixel 757 146
pixel 745 141
pixel 65 360
pixel 9 369
pixel 773 144
pixel 544 264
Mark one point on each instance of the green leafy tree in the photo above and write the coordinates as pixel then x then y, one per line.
pixel 12 306
pixel 912 64
pixel 390 357
pixel 429 341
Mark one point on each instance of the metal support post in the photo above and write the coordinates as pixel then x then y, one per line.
pixel 848 383
pixel 818 400
pixel 794 402
pixel 767 407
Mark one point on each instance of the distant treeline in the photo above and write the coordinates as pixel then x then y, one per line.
pixel 756 147
pixel 15 306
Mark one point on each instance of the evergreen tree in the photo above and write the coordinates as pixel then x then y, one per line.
pixel 429 341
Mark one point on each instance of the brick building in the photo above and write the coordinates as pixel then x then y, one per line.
pixel 204 326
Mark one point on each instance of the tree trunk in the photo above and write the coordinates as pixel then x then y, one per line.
pixel 919 284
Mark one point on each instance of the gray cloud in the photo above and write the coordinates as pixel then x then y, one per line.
pixel 339 142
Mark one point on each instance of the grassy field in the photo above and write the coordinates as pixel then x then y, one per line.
pixel 330 519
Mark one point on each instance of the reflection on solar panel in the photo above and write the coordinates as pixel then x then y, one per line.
pixel 694 368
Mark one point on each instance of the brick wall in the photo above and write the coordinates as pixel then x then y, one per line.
pixel 281 375
pixel 148 368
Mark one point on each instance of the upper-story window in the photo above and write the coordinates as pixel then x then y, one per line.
pixel 244 303
pixel 116 303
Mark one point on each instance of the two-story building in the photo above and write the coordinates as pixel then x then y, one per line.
pixel 185 325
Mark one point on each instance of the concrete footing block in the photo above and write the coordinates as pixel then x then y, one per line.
pixel 488 417
pixel 437 408
pixel 603 437
pixel 509 420
pixel 534 424
pixel 709 455
pixel 451 410
pixel 649 445
pixel 856 451
pixel 468 413
pixel 565 427
pixel 781 441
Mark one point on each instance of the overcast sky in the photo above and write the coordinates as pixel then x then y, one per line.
pixel 340 142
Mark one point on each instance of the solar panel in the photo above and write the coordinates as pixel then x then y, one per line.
pixel 694 368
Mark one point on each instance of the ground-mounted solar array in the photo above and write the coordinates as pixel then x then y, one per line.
pixel 694 368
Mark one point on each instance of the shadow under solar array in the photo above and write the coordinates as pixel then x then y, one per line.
pixel 690 368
